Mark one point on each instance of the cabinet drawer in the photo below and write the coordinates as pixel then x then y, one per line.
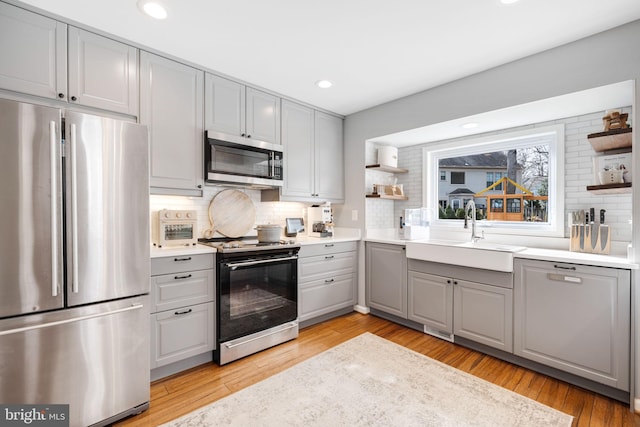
pixel 319 267
pixel 177 264
pixel 181 289
pixel 327 248
pixel 325 295
pixel 178 334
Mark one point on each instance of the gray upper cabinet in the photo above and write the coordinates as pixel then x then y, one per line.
pixel 79 67
pixel 316 177
pixel 329 157
pixel 33 52
pixel 236 109
pixel 297 141
pixel 171 105
pixel 103 73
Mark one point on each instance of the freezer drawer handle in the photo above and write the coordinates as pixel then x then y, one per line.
pixel 182 277
pixel 178 313
pixel 563 278
pixel 75 319
pixel 182 259
pixel 53 145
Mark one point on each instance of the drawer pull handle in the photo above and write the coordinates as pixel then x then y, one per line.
pixel 329 257
pixel 329 245
pixel 182 259
pixel 563 267
pixel 182 277
pixel 329 281
pixel 178 313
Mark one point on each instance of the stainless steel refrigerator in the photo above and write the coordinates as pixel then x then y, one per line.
pixel 74 262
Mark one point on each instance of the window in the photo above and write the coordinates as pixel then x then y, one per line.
pixel 443 175
pixel 457 177
pixel 492 178
pixel 533 206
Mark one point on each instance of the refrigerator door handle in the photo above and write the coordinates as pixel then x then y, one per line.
pixel 74 208
pixel 134 306
pixel 53 146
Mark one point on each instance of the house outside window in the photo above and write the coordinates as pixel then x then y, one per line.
pixel 443 175
pixel 457 177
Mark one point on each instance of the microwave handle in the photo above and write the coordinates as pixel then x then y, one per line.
pixel 273 164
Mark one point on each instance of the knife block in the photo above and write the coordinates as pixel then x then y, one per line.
pixel 590 238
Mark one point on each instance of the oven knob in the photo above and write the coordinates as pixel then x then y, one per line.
pixel 226 246
pixel 235 245
pixel 189 214
pixel 178 215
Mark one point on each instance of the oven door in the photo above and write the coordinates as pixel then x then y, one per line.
pixel 255 294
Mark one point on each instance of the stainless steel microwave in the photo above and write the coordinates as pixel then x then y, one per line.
pixel 244 162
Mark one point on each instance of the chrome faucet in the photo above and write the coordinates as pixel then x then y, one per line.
pixel 472 205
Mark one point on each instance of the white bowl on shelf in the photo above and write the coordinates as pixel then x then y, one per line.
pixel 611 177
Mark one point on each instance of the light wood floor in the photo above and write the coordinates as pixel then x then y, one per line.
pixel 182 393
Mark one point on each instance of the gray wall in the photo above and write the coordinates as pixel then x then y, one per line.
pixel 605 58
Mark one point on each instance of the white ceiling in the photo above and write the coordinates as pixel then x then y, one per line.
pixel 373 51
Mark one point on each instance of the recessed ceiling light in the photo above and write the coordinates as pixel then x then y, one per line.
pixel 324 84
pixel 469 125
pixel 153 8
pixel 508 1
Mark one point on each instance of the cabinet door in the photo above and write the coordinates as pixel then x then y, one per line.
pixel 171 105
pixel 386 278
pixel 181 333
pixel 329 157
pixel 323 296
pixel 33 52
pixel 103 73
pixel 224 105
pixel 431 301
pixel 297 141
pixel 574 318
pixel 483 313
pixel 263 116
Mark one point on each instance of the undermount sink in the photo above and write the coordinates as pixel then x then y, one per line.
pixel 481 254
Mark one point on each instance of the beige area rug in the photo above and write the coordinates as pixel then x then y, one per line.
pixel 370 381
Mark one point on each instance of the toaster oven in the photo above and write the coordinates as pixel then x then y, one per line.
pixel 174 228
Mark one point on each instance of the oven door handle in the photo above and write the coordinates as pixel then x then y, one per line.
pixel 234 265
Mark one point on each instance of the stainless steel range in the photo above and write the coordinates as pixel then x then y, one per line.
pixel 256 296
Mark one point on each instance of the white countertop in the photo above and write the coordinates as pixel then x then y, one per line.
pixel 577 258
pixel 181 250
pixel 393 236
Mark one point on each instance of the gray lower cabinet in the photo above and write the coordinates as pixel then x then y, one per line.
pixel 465 302
pixel 182 308
pixel 171 105
pixel 52 60
pixel 386 278
pixel 326 278
pixel 574 318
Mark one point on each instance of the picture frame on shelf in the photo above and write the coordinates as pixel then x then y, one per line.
pixel 605 168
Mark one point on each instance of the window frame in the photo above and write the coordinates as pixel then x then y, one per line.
pixel 553 135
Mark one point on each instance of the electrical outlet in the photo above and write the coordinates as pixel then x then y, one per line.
pixel 354 215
